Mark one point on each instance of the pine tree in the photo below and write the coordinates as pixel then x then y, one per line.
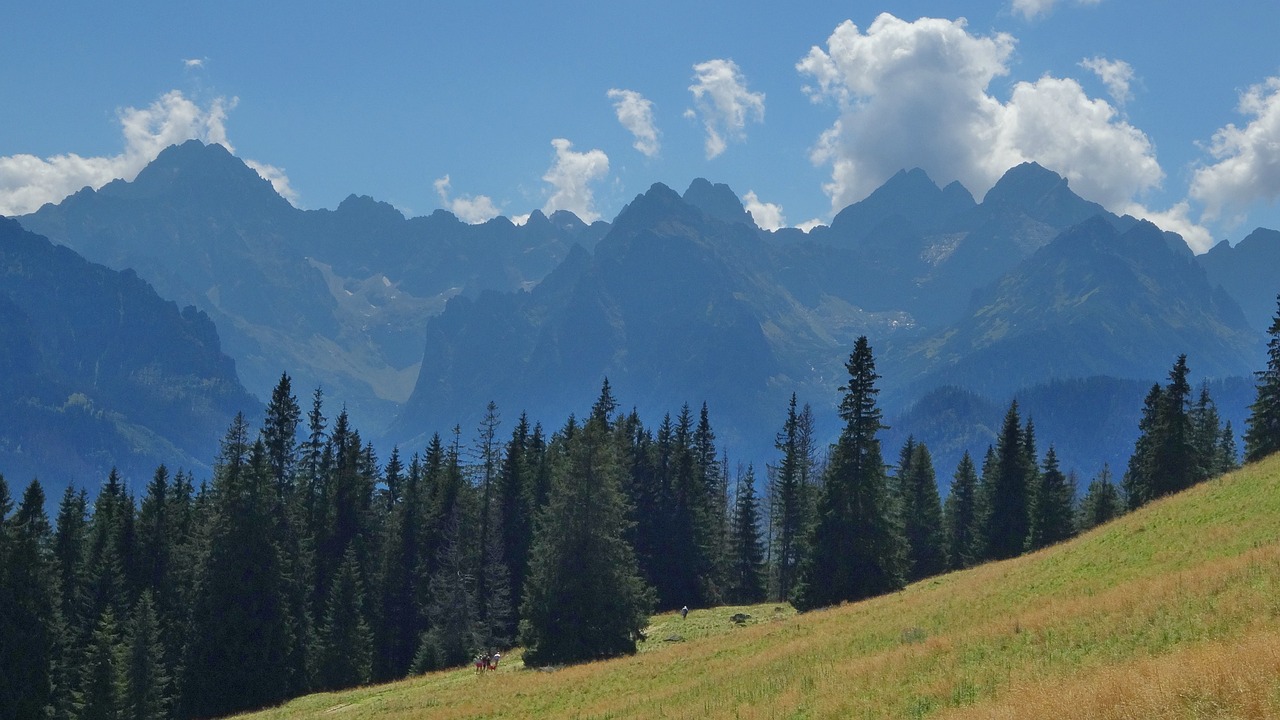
pixel 1101 502
pixel 280 435
pixel 922 516
pixel 747 567
pixel 450 639
pixel 240 634
pixel 584 598
pixel 961 521
pixel 789 506
pixel 1262 431
pixel 28 607
pixel 145 688
pixel 1008 501
pixel 1138 478
pixel 1052 518
pixel 857 548
pixel 1176 465
pixel 346 642
pixel 1206 434
pixel 98 696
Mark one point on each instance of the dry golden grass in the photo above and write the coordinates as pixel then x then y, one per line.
pixel 1171 612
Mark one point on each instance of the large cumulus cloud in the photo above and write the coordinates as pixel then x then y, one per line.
pixel 919 94
pixel 27 181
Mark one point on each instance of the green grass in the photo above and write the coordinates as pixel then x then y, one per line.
pixel 1173 611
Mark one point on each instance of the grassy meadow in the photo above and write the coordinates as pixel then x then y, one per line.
pixel 1169 612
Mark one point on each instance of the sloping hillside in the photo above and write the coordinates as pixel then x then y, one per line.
pixel 1173 611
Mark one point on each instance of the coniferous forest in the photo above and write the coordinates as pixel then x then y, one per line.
pixel 308 563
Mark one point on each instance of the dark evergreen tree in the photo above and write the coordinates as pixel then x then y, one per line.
pixel 450 639
pixel 1262 431
pixel 1052 514
pixel 1008 502
pixel 28 607
pixel 922 516
pixel 789 505
pixel 747 568
pixel 98 696
pixel 961 519
pixel 280 435
pixel 145 692
pixel 584 597
pixel 1138 478
pixel 69 556
pixel 857 548
pixel 239 640
pixel 1101 503
pixel 346 642
pixel 1206 435
pixel 1227 455
pixel 1176 464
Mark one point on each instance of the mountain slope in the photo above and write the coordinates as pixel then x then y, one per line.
pixel 339 298
pixel 1167 612
pixel 98 371
pixel 1248 271
pixel 1092 302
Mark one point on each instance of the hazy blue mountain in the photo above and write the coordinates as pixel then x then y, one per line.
pixel 1248 271
pixel 1092 302
pixel 96 371
pixel 339 298
pixel 675 305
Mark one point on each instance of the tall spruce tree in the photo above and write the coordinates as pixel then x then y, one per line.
pixel 28 608
pixel 1138 478
pixel 1262 431
pixel 922 517
pixel 1008 495
pixel 239 640
pixel 1052 510
pixel 1101 502
pixel 145 692
pixel 857 548
pixel 789 505
pixel 747 567
pixel 961 517
pixel 346 642
pixel 584 597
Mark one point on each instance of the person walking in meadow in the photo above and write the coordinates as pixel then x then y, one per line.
pixel 493 662
pixel 684 612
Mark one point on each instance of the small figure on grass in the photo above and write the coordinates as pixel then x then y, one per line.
pixel 684 612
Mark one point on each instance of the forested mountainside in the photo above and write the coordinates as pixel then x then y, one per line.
pixel 97 371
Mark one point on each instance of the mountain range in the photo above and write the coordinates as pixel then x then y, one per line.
pixel 415 324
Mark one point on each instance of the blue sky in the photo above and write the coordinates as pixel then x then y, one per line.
pixel 1169 110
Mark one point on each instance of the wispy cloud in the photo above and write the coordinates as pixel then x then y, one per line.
pixel 1032 9
pixel 636 115
pixel 1117 75
pixel 1246 167
pixel 723 103
pixel 571 176
pixel 472 209
pixel 27 181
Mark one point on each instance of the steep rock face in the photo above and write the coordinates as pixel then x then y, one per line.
pixel 337 298
pixel 1250 272
pixel 673 307
pixel 1092 302
pixel 99 371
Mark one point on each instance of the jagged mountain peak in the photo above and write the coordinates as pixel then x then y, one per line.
pixel 909 195
pixel 1040 194
pixel 193 167
pixel 717 201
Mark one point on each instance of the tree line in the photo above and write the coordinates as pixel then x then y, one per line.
pixel 305 563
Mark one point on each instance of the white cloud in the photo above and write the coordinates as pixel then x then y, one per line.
pixel 277 177
pixel 1031 9
pixel 1247 167
pixel 194 62
pixel 809 225
pixel 916 94
pixel 723 103
pixel 1176 219
pixel 27 182
pixel 469 209
pixel 767 215
pixel 636 115
pixel 1115 74
pixel 571 176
